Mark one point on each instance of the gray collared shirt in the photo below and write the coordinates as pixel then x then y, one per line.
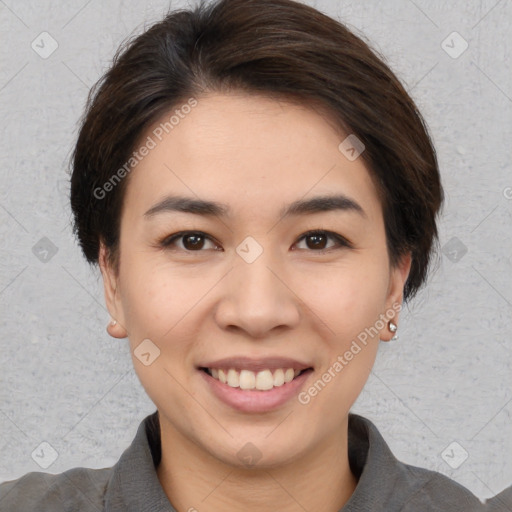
pixel 384 483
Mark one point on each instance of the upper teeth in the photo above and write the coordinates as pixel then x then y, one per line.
pixel 246 379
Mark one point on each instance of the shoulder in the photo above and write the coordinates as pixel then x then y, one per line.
pixel 398 486
pixel 433 491
pixel 132 480
pixel 502 502
pixel 76 489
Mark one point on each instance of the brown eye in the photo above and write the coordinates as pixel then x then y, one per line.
pixel 192 241
pixel 317 240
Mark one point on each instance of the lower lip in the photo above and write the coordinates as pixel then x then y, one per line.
pixel 255 400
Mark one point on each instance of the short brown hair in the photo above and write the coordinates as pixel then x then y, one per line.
pixel 277 48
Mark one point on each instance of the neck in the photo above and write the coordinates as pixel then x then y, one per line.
pixel 195 480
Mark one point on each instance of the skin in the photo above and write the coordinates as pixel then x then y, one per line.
pixel 255 154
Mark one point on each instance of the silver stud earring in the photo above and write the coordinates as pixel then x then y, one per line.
pixel 393 328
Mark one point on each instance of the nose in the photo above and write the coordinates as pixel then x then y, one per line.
pixel 257 299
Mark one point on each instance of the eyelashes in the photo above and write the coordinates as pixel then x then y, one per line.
pixel 200 238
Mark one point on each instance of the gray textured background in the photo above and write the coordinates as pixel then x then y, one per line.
pixel 448 378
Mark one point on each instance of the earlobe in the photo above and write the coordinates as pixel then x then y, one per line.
pixel 115 328
pixel 398 278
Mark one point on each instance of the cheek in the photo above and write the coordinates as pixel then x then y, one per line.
pixel 156 310
pixel 350 309
pixel 347 299
pixel 159 300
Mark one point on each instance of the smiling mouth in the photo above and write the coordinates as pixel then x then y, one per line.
pixel 263 380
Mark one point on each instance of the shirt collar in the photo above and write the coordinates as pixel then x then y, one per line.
pixel 380 481
pixel 134 484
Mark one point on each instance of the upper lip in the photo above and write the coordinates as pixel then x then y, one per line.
pixel 256 364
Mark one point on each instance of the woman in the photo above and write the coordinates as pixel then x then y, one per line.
pixel 261 194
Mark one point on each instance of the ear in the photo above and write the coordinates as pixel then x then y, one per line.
pixel 116 327
pixel 394 299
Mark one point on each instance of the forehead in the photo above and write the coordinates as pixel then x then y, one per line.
pixel 246 151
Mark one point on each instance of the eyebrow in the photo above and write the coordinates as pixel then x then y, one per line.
pixel 316 204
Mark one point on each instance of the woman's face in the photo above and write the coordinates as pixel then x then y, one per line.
pixel 250 284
